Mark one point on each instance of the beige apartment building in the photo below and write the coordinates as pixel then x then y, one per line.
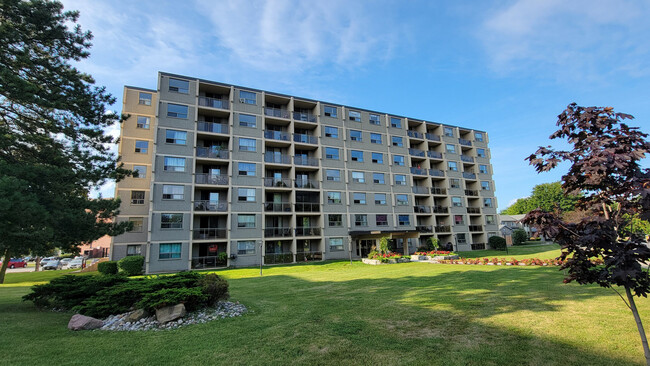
pixel 234 176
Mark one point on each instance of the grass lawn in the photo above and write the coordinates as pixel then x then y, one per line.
pixel 541 251
pixel 335 313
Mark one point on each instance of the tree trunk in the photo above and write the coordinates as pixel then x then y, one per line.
pixel 37 264
pixel 639 325
pixel 5 264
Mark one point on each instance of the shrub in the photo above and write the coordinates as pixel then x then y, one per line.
pixel 497 242
pixel 69 291
pixel 107 268
pixel 519 236
pixel 132 265
pixel 215 287
pixel 192 298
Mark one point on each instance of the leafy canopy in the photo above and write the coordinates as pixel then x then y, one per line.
pixel 547 196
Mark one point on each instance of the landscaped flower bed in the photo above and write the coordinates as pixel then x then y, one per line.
pixel 377 258
pixel 435 255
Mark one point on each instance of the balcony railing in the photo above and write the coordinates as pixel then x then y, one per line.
pixel 435 190
pixel 210 206
pixel 414 134
pixel 212 127
pixel 277 232
pixel 209 233
pixel 465 142
pixel 309 256
pixel 443 229
pixel 307 207
pixel 213 103
pixel 305 139
pixel 467 159
pixel 424 228
pixel 432 137
pixel 306 183
pixel 276 135
pixel 473 210
pixel 420 190
pixel 277 258
pixel 276 112
pixel 467 175
pixel 305 160
pixel 204 178
pixel 434 154
pixel 421 209
pixel 304 116
pixel 478 246
pixel 416 152
pixel 436 173
pixel 440 209
pixel 277 207
pixel 277 182
pixel 476 228
pixel 211 153
pixel 270 157
pixel 307 231
pixel 418 171
pixel 208 262
pixel 471 192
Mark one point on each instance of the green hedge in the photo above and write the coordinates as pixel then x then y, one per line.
pixel 132 265
pixel 107 268
pixel 519 236
pixel 497 242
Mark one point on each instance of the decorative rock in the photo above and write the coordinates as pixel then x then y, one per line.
pixel 170 313
pixel 82 322
pixel 136 315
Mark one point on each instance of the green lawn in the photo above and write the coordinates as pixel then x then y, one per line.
pixel 334 313
pixel 541 251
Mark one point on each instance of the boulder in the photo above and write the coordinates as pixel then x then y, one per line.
pixel 82 322
pixel 136 315
pixel 169 313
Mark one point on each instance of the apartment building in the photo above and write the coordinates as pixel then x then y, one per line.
pixel 235 176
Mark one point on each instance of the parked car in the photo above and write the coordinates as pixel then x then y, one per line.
pixel 52 264
pixel 75 263
pixel 16 263
pixel 65 262
pixel 46 259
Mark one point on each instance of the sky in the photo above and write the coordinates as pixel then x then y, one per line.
pixel 505 67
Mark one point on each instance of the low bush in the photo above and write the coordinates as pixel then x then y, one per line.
pixel 192 298
pixel 215 287
pixel 69 291
pixel 519 236
pixel 107 268
pixel 497 242
pixel 131 265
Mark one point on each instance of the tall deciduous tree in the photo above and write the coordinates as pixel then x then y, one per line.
pixel 53 149
pixel 605 167
pixel 547 196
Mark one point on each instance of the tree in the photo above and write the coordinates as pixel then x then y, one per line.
pixel 547 196
pixel 519 236
pixel 53 149
pixel 604 166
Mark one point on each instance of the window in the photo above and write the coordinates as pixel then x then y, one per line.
pixel 378 158
pixel 487 202
pixel 448 131
pixel 461 239
pixel 330 111
pixel 400 180
pixel 173 192
pixel 179 86
pixel 141 146
pixel 247 120
pixel 358 177
pixel 489 219
pixel 454 183
pixel 137 197
pixel 246 169
pixel 356 155
pixel 175 137
pixel 140 171
pixel 453 166
pixel 375 138
pixel 332 132
pixel 143 122
pixel 381 220
pixel 458 220
pixel 360 220
pixel 480 153
pixel 247 144
pixel 246 221
pixel 378 178
pixel 246 194
pixel 485 186
pixel 478 136
pixel 334 198
pixel 380 198
pixel 397 141
pixel 333 175
pixel 336 244
pixel 359 198
pixel 331 153
pixel 374 119
pixel 395 122
pixel 177 111
pixel 355 135
pixel 246 247
pixel 398 160
pixel 335 220
pixel 144 98
pixel 451 148
pixel 404 220
pixel 171 221
pixel 483 169
pixel 354 116
pixel 169 251
pixel 137 224
pixel 247 97
pixel 174 164
pixel 402 199
pixel 133 250
pixel 456 202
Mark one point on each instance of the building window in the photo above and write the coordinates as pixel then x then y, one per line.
pixel 404 220
pixel 137 197
pixel 375 138
pixel 458 220
pixel 173 192
pixel 398 160
pixel 335 220
pixel 247 97
pixel 358 177
pixel 453 166
pixel 454 183
pixel 331 153
pixel 355 135
pixel 137 224
pixel 334 198
pixel 381 220
pixel 374 119
pixel 461 239
pixel 354 116
pixel 332 132
pixel 456 202
pixel 402 199
pixel 380 198
pixel 177 111
pixel 247 120
pixel 480 153
pixel 336 244
pixel 247 144
pixel 378 178
pixel 485 186
pixel 179 86
pixel 144 98
pixel 360 220
pixel 246 221
pixel 356 155
pixel 395 122
pixel 174 164
pixel 169 251
pixel 141 146
pixel 246 247
pixel 378 158
pixel 478 136
pixel 171 221
pixel 487 202
pixel 448 131
pixel 400 180
pixel 397 141
pixel 451 148
pixel 133 250
pixel 333 175
pixel 246 194
pixel 483 169
pixel 176 137
pixel 489 219
pixel 359 198
pixel 140 171
pixel 143 122
pixel 330 111
pixel 246 169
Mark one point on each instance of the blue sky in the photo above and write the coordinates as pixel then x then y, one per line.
pixel 506 67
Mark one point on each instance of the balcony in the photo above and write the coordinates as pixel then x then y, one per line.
pixel 309 256
pixel 443 229
pixel 475 227
pixel 305 139
pixel 471 192
pixel 416 152
pixel 432 137
pixel 304 116
pixel 278 258
pixel 307 231
pixel 421 209
pixel 441 191
pixel 277 207
pixel 420 190
pixel 210 206
pixel 203 178
pixel 465 142
pixel 306 183
pixel 424 228
pixel 434 154
pixel 473 210
pixel 277 232
pixel 208 262
pixel 276 112
pixel 440 209
pixel 274 158
pixel 414 134
pixel 211 153
pixel 209 233
pixel 305 160
pixel 212 127
pixel 277 182
pixel 467 159
pixel 307 207
pixel 276 135
pixel 436 173
pixel 467 175
pixel 214 103
pixel 418 171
